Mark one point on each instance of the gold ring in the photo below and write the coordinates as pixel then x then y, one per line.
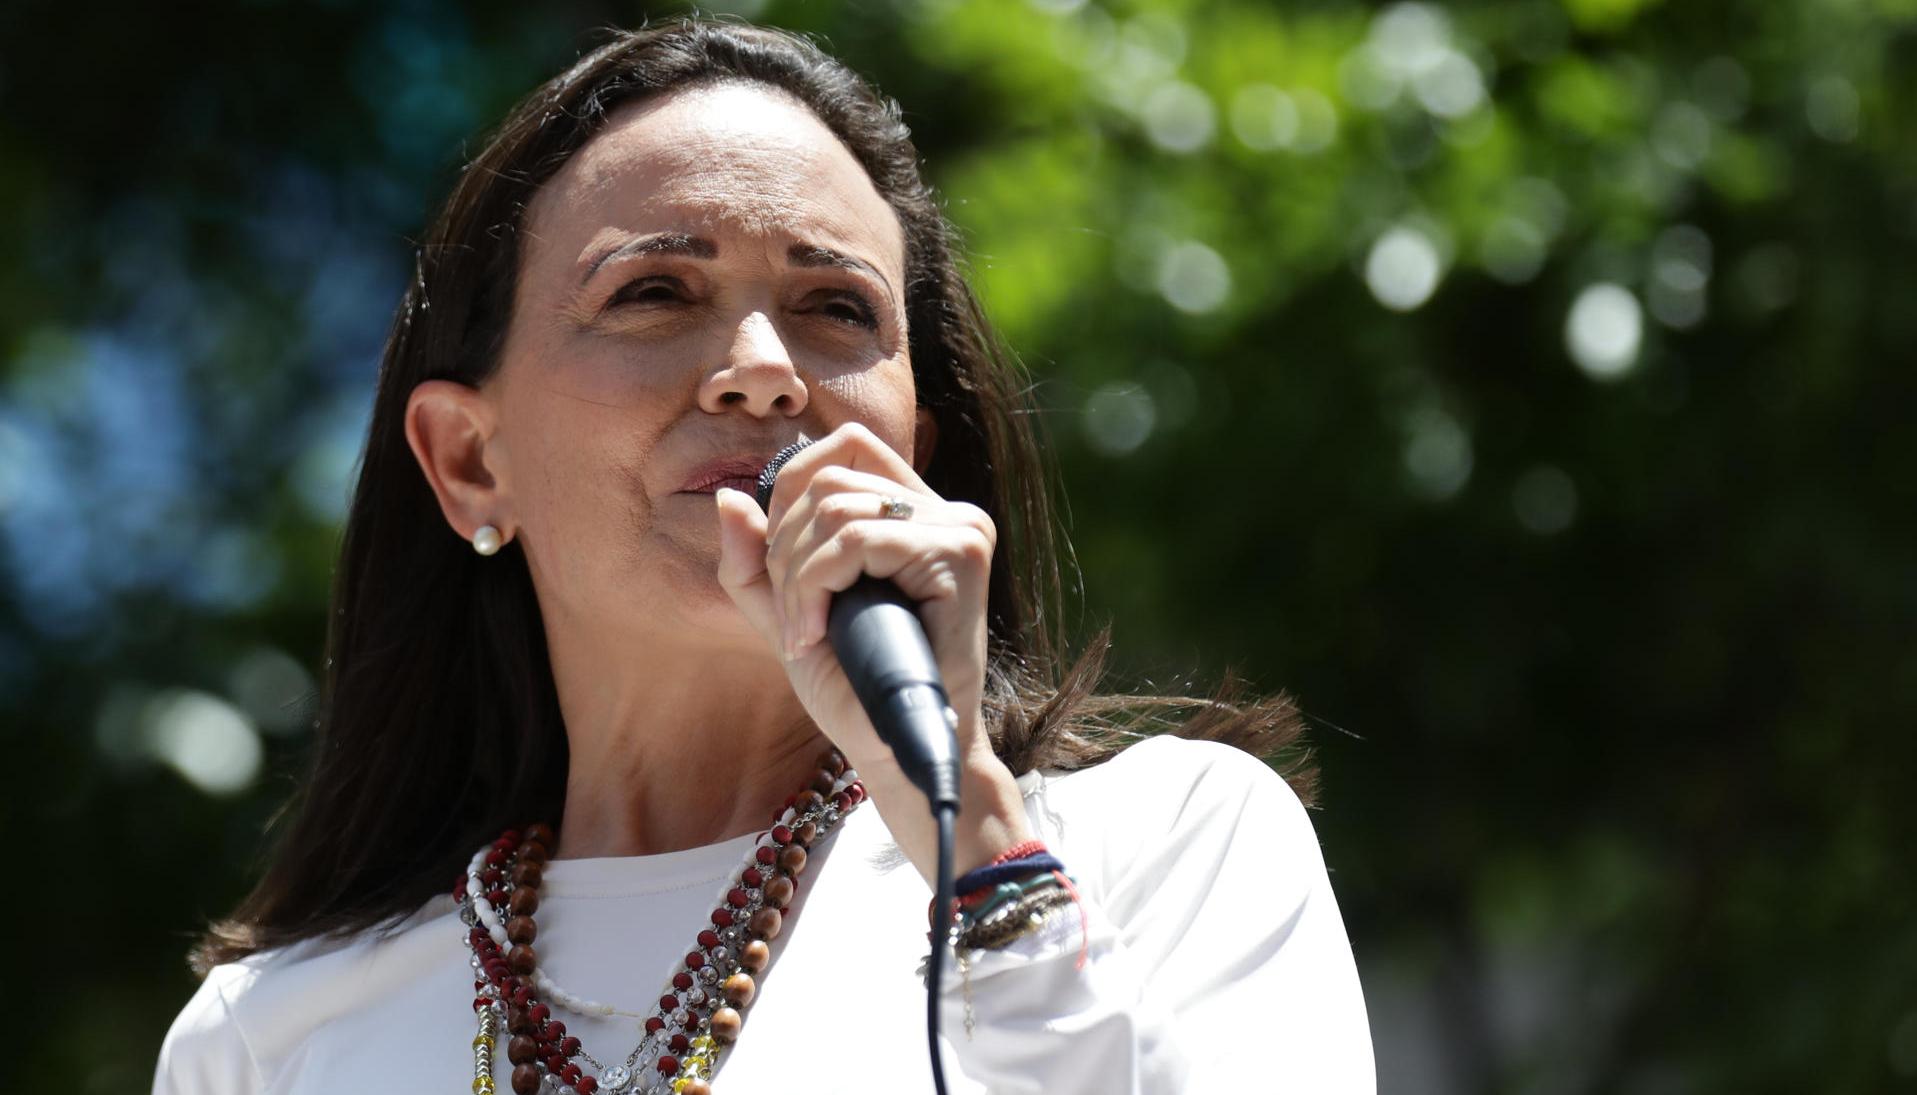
pixel 897 508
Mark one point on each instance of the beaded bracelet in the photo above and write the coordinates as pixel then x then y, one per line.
pixel 1015 921
pixel 1018 851
pixel 1015 910
pixel 1009 898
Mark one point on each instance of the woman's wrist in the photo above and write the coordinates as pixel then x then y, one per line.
pixel 991 816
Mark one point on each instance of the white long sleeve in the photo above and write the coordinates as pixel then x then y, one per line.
pixel 1217 959
pixel 1216 962
pixel 205 1051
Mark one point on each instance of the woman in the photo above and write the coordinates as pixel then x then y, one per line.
pixel 589 807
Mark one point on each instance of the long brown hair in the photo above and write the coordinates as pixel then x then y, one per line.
pixel 439 723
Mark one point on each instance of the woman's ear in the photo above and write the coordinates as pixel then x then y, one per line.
pixel 925 438
pixel 450 429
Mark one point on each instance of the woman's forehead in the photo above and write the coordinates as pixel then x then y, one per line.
pixel 731 161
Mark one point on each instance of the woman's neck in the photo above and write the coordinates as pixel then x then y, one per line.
pixel 698 748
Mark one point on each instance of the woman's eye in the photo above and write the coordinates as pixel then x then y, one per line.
pixel 850 307
pixel 648 289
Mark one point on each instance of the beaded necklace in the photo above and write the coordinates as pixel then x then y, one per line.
pixel 698 1013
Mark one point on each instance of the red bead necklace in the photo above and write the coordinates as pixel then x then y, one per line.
pixel 698 1014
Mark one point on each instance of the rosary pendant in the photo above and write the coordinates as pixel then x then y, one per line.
pixel 615 1079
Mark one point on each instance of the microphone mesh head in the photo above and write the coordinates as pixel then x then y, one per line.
pixel 770 476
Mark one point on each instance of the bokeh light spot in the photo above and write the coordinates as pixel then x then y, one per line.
pixel 1410 38
pixel 1437 453
pixel 1179 117
pixel 273 688
pixel 207 740
pixel 1680 272
pixel 1119 417
pixel 1545 500
pixel 1317 121
pixel 1194 278
pixel 1723 88
pixel 1159 33
pixel 1604 330
pixel 1682 136
pixel 1452 87
pixel 1831 108
pixel 1264 118
pixel 1512 250
pixel 1403 268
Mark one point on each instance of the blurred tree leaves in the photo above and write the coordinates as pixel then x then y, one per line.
pixel 1524 385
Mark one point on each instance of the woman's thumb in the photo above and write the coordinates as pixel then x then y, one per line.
pixel 742 557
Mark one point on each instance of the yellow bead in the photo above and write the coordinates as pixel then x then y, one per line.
pixel 703 1043
pixel 482 1085
pixel 483 1040
pixel 680 1083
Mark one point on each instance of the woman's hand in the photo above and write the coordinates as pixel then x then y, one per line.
pixel 824 530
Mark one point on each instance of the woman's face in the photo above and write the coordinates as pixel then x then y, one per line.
pixel 709 278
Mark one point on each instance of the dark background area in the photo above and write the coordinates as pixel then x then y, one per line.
pixel 1525 386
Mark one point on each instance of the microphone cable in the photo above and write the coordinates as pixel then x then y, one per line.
pixel 946 816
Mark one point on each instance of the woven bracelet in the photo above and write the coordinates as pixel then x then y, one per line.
pixel 981 904
pixel 984 878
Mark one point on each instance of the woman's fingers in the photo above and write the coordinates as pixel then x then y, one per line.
pixel 939 553
pixel 830 486
pixel 742 561
pixel 851 446
pixel 824 528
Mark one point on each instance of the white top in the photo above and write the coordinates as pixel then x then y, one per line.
pixel 1217 963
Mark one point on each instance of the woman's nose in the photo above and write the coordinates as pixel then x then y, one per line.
pixel 757 374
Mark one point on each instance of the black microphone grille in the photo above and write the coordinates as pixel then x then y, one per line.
pixel 770 475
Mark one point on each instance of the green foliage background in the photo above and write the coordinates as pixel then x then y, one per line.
pixel 1609 639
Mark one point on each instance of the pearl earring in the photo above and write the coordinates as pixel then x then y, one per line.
pixel 486 540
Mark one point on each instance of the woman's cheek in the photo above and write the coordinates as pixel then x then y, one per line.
pixel 882 398
pixel 624 371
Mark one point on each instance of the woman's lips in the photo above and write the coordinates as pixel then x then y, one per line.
pixel 739 471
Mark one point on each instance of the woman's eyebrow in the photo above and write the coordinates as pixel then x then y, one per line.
pixel 658 243
pixel 809 254
pixel 698 247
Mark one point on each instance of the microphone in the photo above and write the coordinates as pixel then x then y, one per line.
pixel 874 629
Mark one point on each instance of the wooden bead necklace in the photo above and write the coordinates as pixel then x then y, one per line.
pixel 698 1014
